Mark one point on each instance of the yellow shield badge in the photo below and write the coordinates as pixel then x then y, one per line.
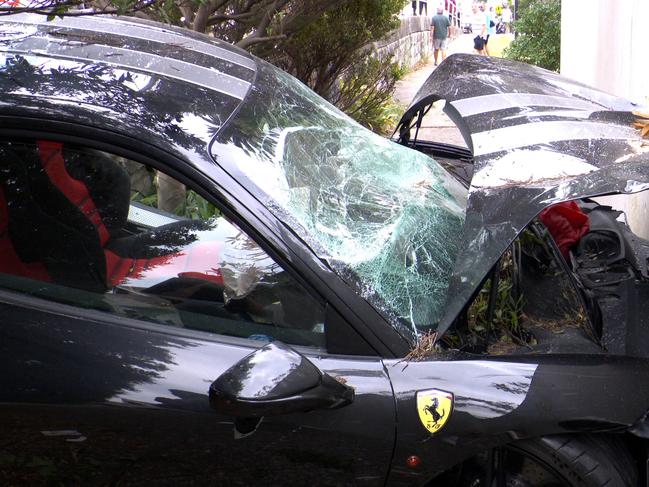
pixel 434 408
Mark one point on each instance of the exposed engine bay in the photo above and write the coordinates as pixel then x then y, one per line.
pixel 610 265
pixel 540 298
pixel 589 296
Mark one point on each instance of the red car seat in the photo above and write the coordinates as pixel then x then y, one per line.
pixel 62 217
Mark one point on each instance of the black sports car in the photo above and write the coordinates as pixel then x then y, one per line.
pixel 211 276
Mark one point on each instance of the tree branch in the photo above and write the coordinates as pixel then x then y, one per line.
pixel 215 19
pixel 200 18
pixel 250 40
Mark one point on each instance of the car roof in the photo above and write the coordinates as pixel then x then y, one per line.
pixel 133 75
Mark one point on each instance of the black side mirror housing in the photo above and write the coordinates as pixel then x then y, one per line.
pixel 274 380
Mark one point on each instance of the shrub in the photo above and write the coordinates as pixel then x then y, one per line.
pixel 539 35
pixel 365 94
pixel 329 55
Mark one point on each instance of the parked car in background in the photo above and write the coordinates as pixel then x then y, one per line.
pixel 325 306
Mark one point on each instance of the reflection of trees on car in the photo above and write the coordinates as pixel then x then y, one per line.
pixel 141 361
pixel 321 42
pixel 126 92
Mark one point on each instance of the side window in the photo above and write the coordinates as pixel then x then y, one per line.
pixel 91 229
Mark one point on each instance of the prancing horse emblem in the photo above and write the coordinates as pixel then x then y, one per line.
pixel 434 407
pixel 432 410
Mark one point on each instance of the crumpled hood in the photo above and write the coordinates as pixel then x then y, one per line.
pixel 537 139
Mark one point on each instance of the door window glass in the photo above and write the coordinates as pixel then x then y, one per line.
pixel 91 229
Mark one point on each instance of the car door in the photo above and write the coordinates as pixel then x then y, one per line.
pixel 114 327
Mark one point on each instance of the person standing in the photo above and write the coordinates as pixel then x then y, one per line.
pixel 488 27
pixel 441 27
pixel 478 28
pixel 506 17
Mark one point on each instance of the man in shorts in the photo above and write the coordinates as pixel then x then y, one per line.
pixel 478 27
pixel 441 27
pixel 488 26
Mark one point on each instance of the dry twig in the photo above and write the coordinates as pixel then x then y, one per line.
pixel 424 348
pixel 642 122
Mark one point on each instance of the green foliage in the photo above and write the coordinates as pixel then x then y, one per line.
pixel 336 34
pixel 327 56
pixel 539 35
pixel 197 208
pixel 503 332
pixel 507 310
pixel 166 11
pixel 365 94
pixel 522 6
pixel 145 199
pixel 194 206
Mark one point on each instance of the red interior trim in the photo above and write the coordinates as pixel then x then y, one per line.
pixel 51 155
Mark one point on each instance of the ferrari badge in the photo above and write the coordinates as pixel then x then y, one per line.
pixel 434 408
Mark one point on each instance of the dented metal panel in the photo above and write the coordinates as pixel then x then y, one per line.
pixel 537 139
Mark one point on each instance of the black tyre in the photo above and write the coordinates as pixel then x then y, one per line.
pixel 577 461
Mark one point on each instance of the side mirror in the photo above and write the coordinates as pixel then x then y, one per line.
pixel 273 380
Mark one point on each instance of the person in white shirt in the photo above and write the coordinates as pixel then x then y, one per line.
pixel 506 18
pixel 478 28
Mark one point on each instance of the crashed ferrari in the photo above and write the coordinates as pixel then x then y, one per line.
pixel 544 268
pixel 211 276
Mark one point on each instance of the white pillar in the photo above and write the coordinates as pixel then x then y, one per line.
pixel 604 44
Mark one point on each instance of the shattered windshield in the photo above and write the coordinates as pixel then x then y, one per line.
pixel 386 218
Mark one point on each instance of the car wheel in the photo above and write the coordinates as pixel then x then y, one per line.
pixel 579 461
pixel 551 461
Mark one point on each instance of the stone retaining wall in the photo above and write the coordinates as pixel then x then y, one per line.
pixel 409 44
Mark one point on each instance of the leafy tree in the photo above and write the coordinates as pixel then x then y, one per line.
pixel 365 94
pixel 320 52
pixel 521 5
pixel 329 56
pixel 539 35
pixel 241 22
pixel 247 22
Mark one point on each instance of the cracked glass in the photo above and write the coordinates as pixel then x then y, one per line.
pixel 387 219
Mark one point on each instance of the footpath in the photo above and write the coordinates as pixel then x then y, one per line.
pixel 436 125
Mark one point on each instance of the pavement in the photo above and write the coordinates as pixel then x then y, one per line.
pixel 436 125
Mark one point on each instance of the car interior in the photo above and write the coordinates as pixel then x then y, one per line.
pixel 68 217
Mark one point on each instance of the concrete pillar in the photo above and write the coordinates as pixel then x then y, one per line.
pixel 603 44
